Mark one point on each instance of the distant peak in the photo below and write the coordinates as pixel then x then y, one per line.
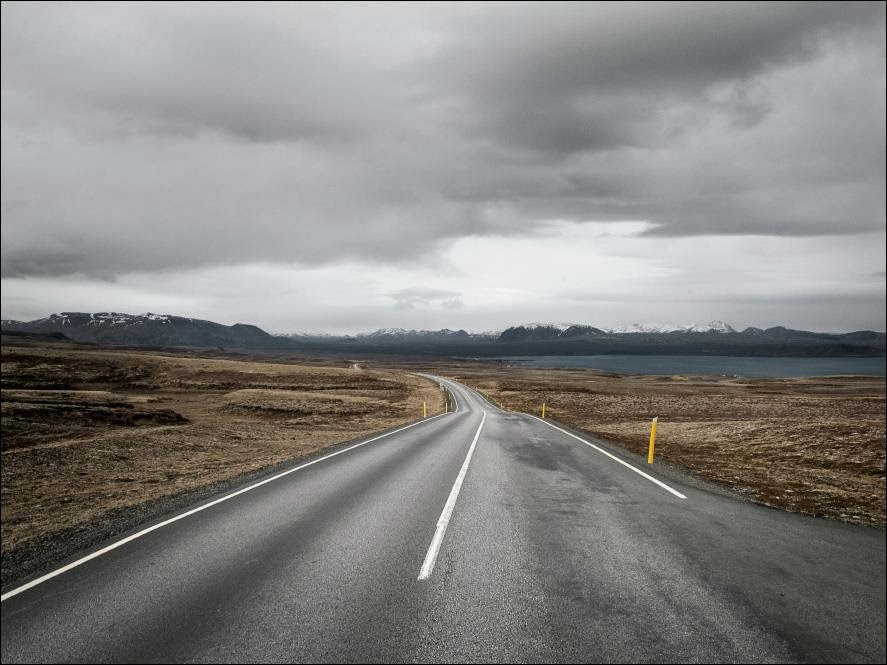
pixel 713 326
pixel 403 332
pixel 163 318
pixel 557 326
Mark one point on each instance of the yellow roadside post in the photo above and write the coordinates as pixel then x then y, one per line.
pixel 652 440
pixel 543 410
pixel 424 409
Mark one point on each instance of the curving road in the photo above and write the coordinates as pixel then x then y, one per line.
pixel 531 545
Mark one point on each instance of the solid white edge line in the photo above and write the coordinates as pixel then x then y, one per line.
pixel 444 520
pixel 115 545
pixel 613 457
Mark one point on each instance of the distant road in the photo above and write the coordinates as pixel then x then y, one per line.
pixel 531 546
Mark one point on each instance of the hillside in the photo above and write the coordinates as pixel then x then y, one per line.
pixel 146 329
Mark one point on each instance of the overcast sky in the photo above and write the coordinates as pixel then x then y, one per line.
pixel 340 168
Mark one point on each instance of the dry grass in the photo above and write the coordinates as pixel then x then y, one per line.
pixel 86 431
pixel 809 445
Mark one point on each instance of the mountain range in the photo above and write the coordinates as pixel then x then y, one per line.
pixel 146 330
pixel 715 338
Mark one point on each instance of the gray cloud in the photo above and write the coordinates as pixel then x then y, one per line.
pixel 256 75
pixel 593 73
pixel 420 297
pixel 453 303
pixel 149 138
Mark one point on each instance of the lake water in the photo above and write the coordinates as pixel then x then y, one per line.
pixel 752 366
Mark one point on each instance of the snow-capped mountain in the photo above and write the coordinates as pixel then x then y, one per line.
pixel 551 331
pixel 148 328
pixel 100 319
pixel 383 332
pixel 301 334
pixel 714 326
pixel 559 326
pixel 643 328
pixel 402 333
pixel 715 337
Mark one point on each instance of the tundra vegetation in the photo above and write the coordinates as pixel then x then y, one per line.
pixel 810 445
pixel 87 430
pixel 90 433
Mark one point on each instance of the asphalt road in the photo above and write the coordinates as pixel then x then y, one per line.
pixel 552 551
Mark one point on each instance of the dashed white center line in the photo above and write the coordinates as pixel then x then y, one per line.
pixel 444 520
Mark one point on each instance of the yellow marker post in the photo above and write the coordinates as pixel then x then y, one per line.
pixel 652 440
pixel 446 404
pixel 424 409
pixel 543 410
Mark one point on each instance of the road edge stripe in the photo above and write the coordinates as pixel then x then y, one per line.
pixel 143 532
pixel 614 458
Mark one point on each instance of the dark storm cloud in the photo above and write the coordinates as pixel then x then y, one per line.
pixel 553 49
pixel 140 137
pixel 573 77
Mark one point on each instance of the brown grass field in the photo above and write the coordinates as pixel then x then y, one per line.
pixel 87 430
pixel 813 445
